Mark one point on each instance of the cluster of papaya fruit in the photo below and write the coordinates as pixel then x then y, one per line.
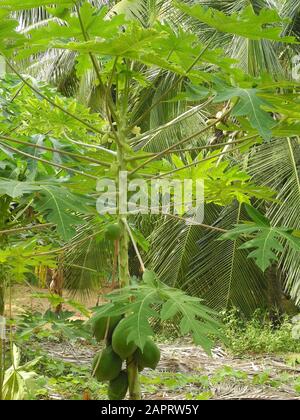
pixel 107 365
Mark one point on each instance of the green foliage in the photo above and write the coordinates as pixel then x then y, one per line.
pixel 267 242
pixel 29 4
pixel 20 259
pixel 67 380
pixel 223 182
pixel 296 328
pixel 265 25
pixel 61 207
pixel 250 105
pixel 153 82
pixel 8 32
pixel 56 203
pixel 18 378
pixel 192 258
pixel 277 164
pixel 56 300
pixel 259 335
pixel 51 326
pixel 152 299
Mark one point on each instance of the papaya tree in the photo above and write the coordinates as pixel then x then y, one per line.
pixel 127 61
pixel 223 265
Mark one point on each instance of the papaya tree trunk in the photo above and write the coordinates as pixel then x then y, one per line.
pixel 123 261
pixel 133 379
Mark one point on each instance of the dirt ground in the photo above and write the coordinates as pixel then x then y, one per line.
pixel 22 300
pixel 190 360
pixel 185 359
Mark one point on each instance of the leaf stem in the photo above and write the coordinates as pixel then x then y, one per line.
pixel 197 162
pixel 57 165
pixel 135 246
pixel 51 149
pixel 185 140
pixel 25 228
pixel 192 149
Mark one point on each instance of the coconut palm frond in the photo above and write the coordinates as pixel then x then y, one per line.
pixel 193 259
pixel 256 57
pixel 174 244
pixel 88 262
pixel 253 57
pixel 222 274
pixel 291 9
pixel 277 164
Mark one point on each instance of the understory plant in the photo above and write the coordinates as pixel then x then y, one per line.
pixel 259 335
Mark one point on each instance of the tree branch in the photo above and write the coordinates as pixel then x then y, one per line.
pixel 174 146
pixel 57 165
pixel 197 162
pixel 50 149
pixel 25 228
pixel 148 110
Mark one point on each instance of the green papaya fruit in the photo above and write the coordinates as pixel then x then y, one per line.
pixel 118 387
pixel 101 325
pixel 149 357
pixel 113 232
pixel 107 365
pixel 119 342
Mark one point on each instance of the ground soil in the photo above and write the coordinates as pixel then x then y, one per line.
pixel 180 358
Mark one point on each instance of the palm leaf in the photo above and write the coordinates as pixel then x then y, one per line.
pixel 87 264
pixel 277 164
pixel 222 273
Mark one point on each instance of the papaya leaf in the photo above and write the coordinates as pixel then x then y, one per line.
pixel 250 105
pixel 55 202
pixel 20 259
pixel 61 207
pixel 55 300
pixel 93 20
pixel 223 183
pixel 267 244
pixel 14 188
pixel 8 35
pixel 152 299
pixel 265 25
pixel 195 317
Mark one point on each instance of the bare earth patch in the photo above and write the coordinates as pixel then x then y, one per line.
pixel 183 368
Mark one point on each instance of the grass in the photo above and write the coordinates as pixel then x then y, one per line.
pixel 259 335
